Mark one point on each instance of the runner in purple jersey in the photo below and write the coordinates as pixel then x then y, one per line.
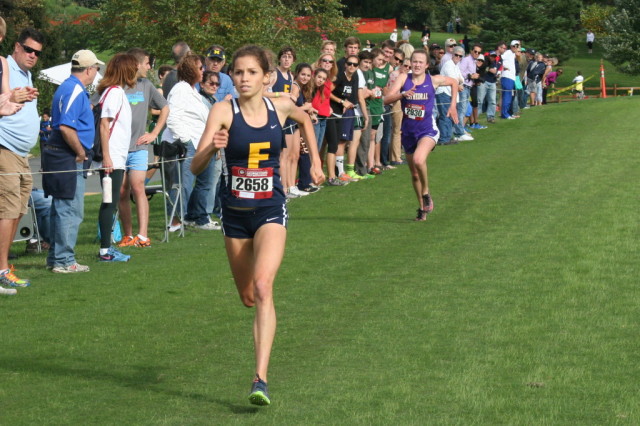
pixel 419 131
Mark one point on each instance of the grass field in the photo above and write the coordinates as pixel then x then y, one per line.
pixel 515 303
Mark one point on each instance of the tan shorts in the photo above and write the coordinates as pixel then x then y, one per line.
pixel 15 188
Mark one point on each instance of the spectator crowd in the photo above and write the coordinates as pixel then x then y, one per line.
pixel 357 133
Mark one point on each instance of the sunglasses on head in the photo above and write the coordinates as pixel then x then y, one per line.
pixel 31 50
pixel 351 64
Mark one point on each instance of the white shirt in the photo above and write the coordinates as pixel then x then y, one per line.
pixel 509 64
pixel 117 105
pixel 591 37
pixel 187 115
pixel 450 69
pixel 393 36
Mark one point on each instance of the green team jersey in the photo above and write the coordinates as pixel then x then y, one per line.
pixel 380 79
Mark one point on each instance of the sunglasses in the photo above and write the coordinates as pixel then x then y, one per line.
pixel 477 51
pixel 351 64
pixel 457 56
pixel 31 50
pixel 328 61
pixel 212 83
pixel 397 59
pixel 407 66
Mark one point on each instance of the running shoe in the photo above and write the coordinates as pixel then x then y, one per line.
pixel 211 226
pixel 138 242
pixel 310 189
pixel 127 241
pixel 9 279
pixel 346 178
pixel 70 269
pixel 480 126
pixel 469 128
pixel 464 138
pixel 353 175
pixel 295 191
pixel 421 216
pixel 428 203
pixel 367 176
pixel 8 291
pixel 113 255
pixel 259 392
pixel 336 182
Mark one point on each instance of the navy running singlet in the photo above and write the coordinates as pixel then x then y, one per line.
pixel 282 84
pixel 252 173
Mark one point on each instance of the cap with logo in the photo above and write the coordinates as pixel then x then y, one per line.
pixel 216 52
pixel 84 59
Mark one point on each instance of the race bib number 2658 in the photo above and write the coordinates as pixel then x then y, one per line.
pixel 252 183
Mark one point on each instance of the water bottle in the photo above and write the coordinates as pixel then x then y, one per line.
pixel 106 189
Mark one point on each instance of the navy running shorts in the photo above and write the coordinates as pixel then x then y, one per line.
pixel 244 224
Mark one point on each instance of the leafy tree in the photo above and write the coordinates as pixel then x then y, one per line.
pixel 157 24
pixel 622 42
pixel 545 25
pixel 593 17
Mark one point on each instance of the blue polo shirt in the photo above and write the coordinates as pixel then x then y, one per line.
pixel 226 87
pixel 71 107
pixel 19 132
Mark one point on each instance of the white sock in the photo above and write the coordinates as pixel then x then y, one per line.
pixel 340 164
pixel 4 271
pixel 103 252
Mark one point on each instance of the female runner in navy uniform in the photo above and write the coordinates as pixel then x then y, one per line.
pixel 419 131
pixel 254 212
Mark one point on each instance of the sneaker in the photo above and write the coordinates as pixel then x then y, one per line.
pixel 9 279
pixel 188 223
pixel 336 182
pixel 290 195
pixel 367 176
pixel 353 175
pixel 174 228
pixel 469 128
pixel 211 226
pixel 464 138
pixel 138 242
pixel 297 192
pixel 259 392
pixel 127 241
pixel 345 178
pixel 310 189
pixel 491 120
pixel 428 203
pixel 113 255
pixel 70 269
pixel 480 126
pixel 8 291
pixel 421 216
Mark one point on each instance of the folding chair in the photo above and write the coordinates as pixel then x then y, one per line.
pixel 171 159
pixel 28 226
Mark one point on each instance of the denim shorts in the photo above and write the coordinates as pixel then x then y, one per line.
pixel 244 224
pixel 137 160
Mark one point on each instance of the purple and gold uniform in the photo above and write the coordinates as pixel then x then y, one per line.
pixel 417 114
pixel 252 185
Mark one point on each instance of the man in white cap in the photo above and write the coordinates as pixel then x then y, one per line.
pixel 69 148
pixel 449 44
pixel 394 35
pixel 508 80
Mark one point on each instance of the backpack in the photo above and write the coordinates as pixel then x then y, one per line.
pixel 97 117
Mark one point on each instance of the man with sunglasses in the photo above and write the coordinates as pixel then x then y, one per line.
pixel 142 97
pixel 449 44
pixel 18 134
pixel 468 70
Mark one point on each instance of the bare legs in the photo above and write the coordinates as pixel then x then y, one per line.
pixel 418 167
pixel 254 264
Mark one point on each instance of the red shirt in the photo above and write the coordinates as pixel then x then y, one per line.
pixel 322 106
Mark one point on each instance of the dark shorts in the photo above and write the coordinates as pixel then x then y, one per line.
pixel 346 125
pixel 244 224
